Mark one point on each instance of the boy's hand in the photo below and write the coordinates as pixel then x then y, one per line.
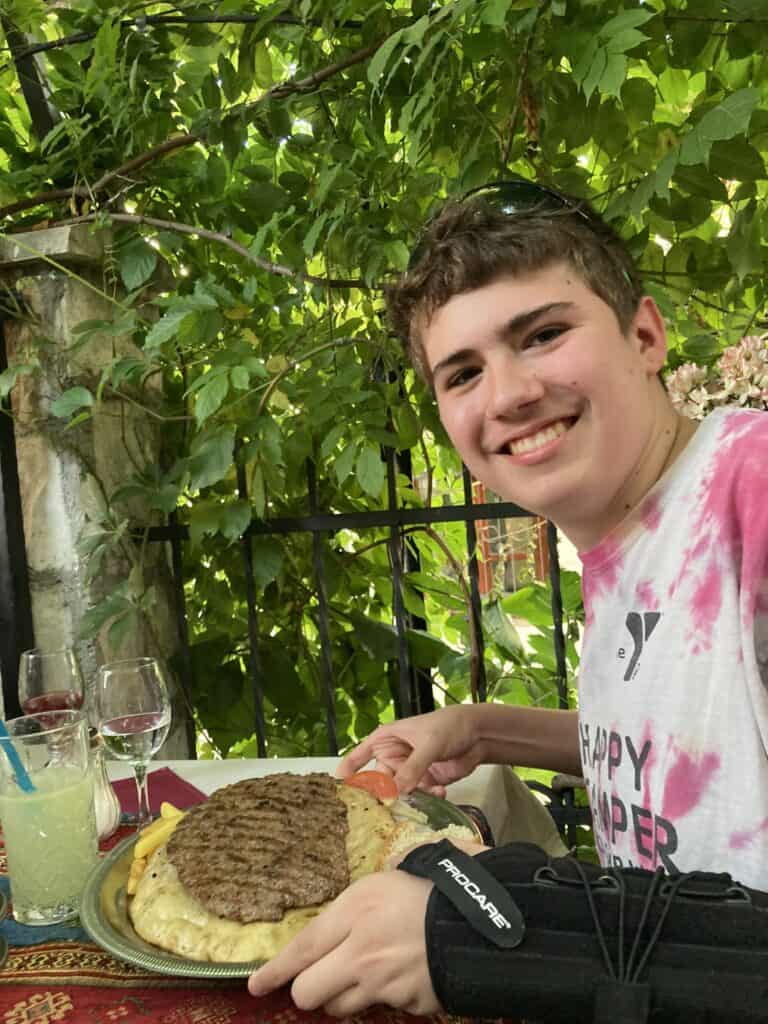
pixel 426 751
pixel 367 947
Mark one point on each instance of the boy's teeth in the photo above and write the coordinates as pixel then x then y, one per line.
pixel 534 441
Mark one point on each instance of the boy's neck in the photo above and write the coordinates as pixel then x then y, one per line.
pixel 664 449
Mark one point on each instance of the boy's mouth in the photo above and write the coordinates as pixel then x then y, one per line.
pixel 540 438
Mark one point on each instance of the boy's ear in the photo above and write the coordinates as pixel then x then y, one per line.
pixel 650 332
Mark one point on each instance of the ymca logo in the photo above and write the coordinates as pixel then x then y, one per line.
pixel 640 627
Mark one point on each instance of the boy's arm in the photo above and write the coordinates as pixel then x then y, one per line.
pixel 529 737
pixel 431 751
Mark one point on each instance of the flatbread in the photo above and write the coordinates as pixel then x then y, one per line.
pixel 165 914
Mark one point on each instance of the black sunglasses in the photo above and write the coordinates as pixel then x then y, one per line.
pixel 517 195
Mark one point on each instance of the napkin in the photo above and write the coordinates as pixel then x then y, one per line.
pixel 163 784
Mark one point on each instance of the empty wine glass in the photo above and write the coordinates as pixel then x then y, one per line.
pixel 134 712
pixel 50 681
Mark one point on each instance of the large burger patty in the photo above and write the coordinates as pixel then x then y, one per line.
pixel 262 846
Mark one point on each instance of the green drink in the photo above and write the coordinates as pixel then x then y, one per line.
pixel 50 833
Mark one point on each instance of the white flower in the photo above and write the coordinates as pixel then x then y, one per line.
pixel 739 377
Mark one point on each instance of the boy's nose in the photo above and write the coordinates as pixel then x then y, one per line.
pixel 511 391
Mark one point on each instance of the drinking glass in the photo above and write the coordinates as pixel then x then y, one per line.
pixel 50 681
pixel 46 806
pixel 134 712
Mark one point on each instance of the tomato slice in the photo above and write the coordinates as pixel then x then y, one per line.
pixel 378 784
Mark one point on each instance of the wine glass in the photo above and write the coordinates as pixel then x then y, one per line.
pixel 134 712
pixel 50 681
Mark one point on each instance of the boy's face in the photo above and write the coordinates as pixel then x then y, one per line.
pixel 547 401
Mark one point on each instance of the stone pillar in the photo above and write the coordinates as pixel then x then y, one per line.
pixel 67 475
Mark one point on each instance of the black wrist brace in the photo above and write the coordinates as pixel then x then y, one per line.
pixel 472 890
pixel 606 946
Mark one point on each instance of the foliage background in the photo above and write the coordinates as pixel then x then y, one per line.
pixel 264 167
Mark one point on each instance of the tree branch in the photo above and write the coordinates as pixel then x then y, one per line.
pixel 170 20
pixel 521 82
pixel 279 91
pixel 217 236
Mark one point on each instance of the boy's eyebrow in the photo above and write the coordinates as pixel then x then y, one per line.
pixel 513 326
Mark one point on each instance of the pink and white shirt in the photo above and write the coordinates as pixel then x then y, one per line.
pixel 673 685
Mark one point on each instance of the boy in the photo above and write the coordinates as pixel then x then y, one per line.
pixel 523 311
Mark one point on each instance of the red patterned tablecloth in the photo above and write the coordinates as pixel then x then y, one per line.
pixel 76 982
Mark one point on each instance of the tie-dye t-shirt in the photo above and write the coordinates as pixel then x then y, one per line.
pixel 673 685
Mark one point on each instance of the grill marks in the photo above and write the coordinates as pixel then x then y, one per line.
pixel 264 846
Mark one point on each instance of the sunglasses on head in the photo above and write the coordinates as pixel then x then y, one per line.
pixel 512 196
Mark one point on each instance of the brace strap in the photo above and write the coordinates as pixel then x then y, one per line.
pixel 474 892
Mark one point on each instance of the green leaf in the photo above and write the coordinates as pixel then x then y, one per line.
pixel 228 78
pixel 70 401
pixel 203 521
pixel 729 118
pixel 425 649
pixel 674 86
pixel 500 629
pixel 614 74
pixel 97 616
pixel 625 40
pixel 212 457
pixel 744 249
pixel 736 160
pixel 529 603
pixel 210 396
pixel 344 463
pixel 379 61
pixel 263 72
pixel 267 560
pixel 217 175
pixel 167 327
pixel 370 470
pixel 137 263
pixel 654 184
pixel 378 639
pixel 495 12
pixel 596 71
pixel 624 21
pixel 638 98
pixel 10 375
pixel 240 378
pixel 234 519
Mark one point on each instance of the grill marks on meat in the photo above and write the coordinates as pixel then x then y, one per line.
pixel 263 846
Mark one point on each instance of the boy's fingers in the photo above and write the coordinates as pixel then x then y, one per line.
pixel 416 766
pixel 321 936
pixel 354 760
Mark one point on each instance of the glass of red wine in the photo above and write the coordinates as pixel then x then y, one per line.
pixel 134 713
pixel 50 681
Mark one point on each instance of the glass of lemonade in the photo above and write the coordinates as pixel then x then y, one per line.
pixel 50 833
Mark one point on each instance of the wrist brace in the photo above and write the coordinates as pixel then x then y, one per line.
pixel 474 892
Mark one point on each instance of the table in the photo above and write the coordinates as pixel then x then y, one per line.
pixel 58 975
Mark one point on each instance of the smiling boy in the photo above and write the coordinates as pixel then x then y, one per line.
pixel 524 312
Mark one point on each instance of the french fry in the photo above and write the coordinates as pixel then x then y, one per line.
pixel 147 844
pixel 154 826
pixel 138 866
pixel 169 811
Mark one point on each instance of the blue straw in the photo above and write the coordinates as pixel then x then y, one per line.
pixel 11 753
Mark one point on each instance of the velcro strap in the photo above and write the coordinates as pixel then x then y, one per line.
pixel 473 890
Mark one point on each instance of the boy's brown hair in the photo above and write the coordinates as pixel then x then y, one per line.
pixel 471 243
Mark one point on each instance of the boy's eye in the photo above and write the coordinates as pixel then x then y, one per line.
pixel 462 376
pixel 544 335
